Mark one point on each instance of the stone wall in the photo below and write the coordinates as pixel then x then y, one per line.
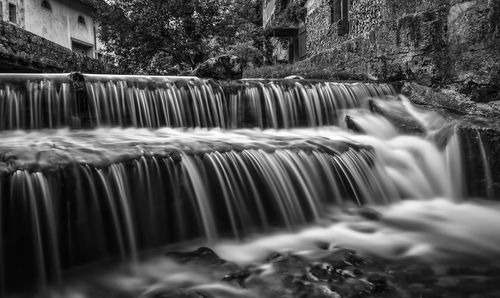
pixel 321 32
pixel 364 15
pixel 22 51
pixel 453 43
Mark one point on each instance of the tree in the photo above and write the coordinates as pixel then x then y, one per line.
pixel 137 30
pixel 246 39
pixel 146 34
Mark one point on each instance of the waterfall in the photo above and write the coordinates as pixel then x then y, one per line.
pixel 97 167
pixel 90 101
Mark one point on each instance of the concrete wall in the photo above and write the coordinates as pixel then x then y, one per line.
pixel 433 42
pixel 23 51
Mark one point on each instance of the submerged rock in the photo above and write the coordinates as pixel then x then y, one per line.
pixel 352 125
pixel 176 294
pixel 369 213
pixel 224 67
pixel 396 113
pixel 203 256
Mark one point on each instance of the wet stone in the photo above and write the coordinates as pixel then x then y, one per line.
pixel 380 283
pixel 322 272
pixel 322 245
pixel 176 294
pixel 288 263
pixel 238 277
pixel 341 258
pixel 411 271
pixel 369 213
pixel 203 256
pixel 352 287
pixel 351 271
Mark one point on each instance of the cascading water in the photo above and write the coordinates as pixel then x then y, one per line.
pixel 96 168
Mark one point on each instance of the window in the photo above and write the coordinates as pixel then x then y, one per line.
pixel 12 13
pixel 46 5
pixel 81 20
pixel 340 16
pixel 82 48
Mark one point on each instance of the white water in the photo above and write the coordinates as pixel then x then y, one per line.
pixel 234 184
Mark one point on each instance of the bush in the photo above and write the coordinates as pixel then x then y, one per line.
pixel 305 69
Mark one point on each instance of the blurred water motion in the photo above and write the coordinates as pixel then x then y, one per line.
pixel 111 168
pixel 440 232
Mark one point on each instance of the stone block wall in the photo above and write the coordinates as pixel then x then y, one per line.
pixel 455 43
pixel 22 51
pixel 364 15
pixel 321 32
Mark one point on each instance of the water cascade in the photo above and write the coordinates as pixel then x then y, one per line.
pixel 89 101
pixel 97 168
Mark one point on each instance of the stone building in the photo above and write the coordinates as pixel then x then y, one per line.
pixel 287 34
pixel 328 22
pixel 452 43
pixel 64 22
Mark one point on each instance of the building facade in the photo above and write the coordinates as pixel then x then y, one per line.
pixel 64 22
pixel 329 22
pixel 452 43
pixel 287 34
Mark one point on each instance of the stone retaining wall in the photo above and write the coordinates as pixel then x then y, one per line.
pixel 453 43
pixel 22 51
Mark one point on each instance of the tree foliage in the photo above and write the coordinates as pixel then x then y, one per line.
pixel 158 36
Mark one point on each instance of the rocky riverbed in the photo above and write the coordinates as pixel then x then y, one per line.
pixel 413 249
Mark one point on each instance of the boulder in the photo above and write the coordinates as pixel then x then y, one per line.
pixel 224 67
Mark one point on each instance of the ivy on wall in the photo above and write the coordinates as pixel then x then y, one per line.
pixel 290 13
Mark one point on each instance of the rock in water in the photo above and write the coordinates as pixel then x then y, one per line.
pixel 203 256
pixel 294 77
pixel 224 67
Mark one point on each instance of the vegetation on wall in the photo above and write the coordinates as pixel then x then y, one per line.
pixel 292 13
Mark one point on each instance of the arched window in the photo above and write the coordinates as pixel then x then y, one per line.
pixel 81 20
pixel 46 4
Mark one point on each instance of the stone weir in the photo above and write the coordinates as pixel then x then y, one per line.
pixel 97 167
pixel 69 198
pixel 88 101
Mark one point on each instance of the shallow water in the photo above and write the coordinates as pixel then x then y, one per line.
pixel 437 232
